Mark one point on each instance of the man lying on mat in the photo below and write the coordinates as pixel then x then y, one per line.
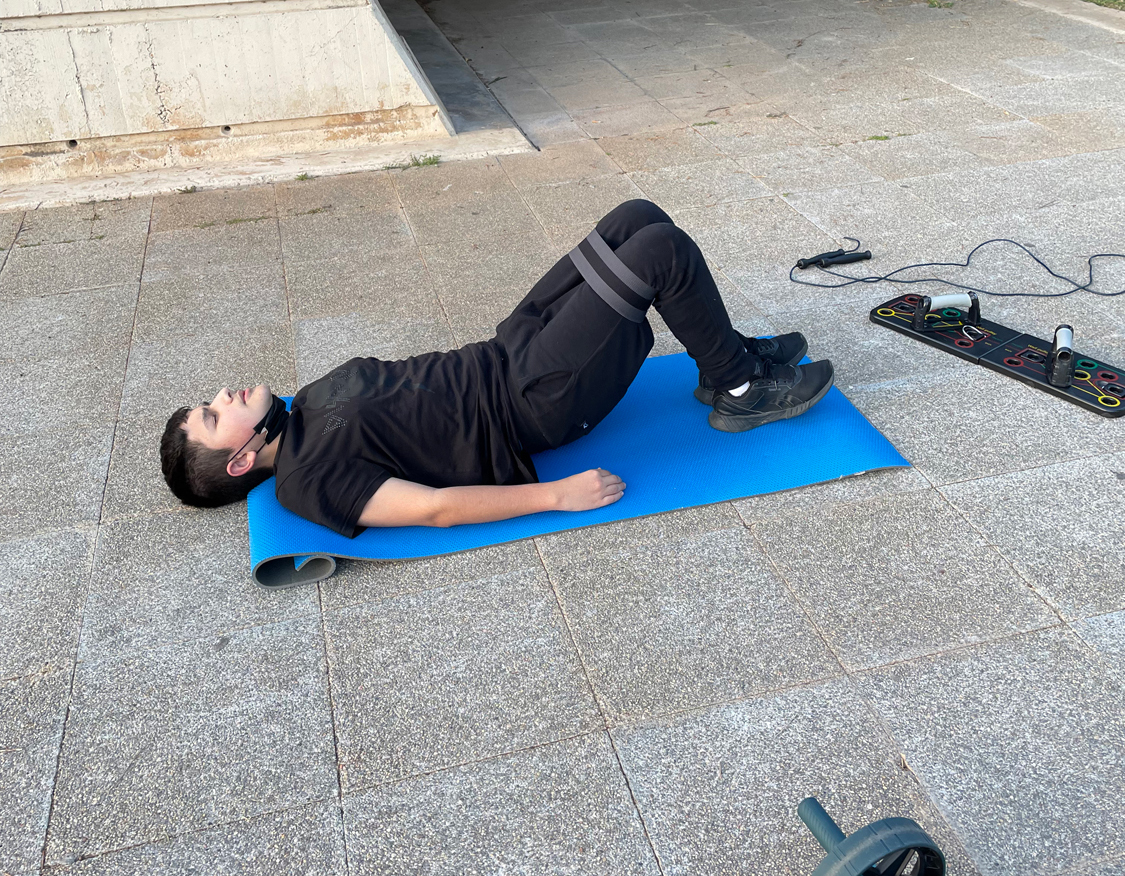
pixel 447 438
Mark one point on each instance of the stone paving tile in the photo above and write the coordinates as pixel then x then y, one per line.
pixel 78 389
pixel 1019 744
pixel 94 220
pixel 32 711
pixel 575 72
pixel 394 286
pixel 62 267
pixel 754 242
pixel 1062 526
pixel 659 149
pixel 633 118
pixel 1035 430
pixel 917 155
pixel 135 485
pixel 899 576
pixel 695 185
pixel 580 201
pixel 755 130
pixel 806 168
pixel 65 493
pixel 476 200
pixel 213 208
pixel 1105 634
pixel 1091 130
pixel 428 680
pixel 306 841
pixel 197 250
pixel 551 129
pixel 561 548
pixel 557 164
pixel 862 352
pixel 58 225
pixel 656 62
pixel 694 83
pixel 54 326
pixel 950 112
pixel 679 624
pixel 849 124
pixel 42 585
pixel 336 234
pixel 719 789
pixel 561 808
pixel 485 282
pixel 324 343
pixel 168 578
pixel 1011 142
pixel 340 194
pixel 357 582
pixel 164 375
pixel 823 499
pixel 178 739
pixel 225 303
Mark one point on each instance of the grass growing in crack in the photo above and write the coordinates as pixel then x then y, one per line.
pixel 1111 4
pixel 416 161
pixel 248 219
pixel 878 137
pixel 939 4
pixel 702 124
pixel 316 210
pixel 187 190
pixel 302 177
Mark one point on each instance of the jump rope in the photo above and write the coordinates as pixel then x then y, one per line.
pixel 826 260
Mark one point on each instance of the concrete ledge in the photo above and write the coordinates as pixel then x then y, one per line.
pixel 138 184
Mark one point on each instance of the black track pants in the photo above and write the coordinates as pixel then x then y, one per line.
pixel 574 346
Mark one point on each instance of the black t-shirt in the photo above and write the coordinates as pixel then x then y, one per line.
pixel 441 419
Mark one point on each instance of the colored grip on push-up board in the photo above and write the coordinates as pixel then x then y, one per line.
pixel 953 323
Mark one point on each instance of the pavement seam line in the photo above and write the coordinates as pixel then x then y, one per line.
pixel 335 730
pixel 422 256
pixel 94 552
pixel 170 839
pixel 437 770
pixel 15 237
pixel 573 640
pixel 752 528
pixel 1048 603
pixel 606 723
pixel 69 700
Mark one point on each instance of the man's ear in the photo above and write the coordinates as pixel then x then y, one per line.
pixel 242 463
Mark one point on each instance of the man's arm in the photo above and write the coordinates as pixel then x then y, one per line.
pixel 402 503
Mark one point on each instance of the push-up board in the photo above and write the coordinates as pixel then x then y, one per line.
pixel 1096 385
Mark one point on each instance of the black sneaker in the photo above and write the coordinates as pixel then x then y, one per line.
pixel 782 350
pixel 785 391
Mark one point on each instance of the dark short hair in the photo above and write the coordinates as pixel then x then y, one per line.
pixel 197 474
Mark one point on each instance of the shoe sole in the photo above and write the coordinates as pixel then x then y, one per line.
pixel 726 423
pixel 707 396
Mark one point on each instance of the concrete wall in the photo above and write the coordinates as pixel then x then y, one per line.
pixel 91 85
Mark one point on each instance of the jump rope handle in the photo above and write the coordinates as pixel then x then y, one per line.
pixel 836 257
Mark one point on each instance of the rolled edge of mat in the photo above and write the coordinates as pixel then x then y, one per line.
pixel 291 570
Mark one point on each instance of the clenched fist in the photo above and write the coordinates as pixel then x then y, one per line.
pixel 590 489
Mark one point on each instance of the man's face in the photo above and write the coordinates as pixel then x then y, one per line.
pixel 228 421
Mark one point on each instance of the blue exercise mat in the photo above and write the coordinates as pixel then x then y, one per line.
pixel 656 440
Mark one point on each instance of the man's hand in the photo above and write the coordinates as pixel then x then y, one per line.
pixel 590 489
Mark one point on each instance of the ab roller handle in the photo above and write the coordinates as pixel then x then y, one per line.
pixel 891 847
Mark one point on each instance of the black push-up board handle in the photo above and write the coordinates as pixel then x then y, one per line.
pixel 1094 385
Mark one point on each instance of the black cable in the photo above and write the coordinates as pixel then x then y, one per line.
pixel 891 278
